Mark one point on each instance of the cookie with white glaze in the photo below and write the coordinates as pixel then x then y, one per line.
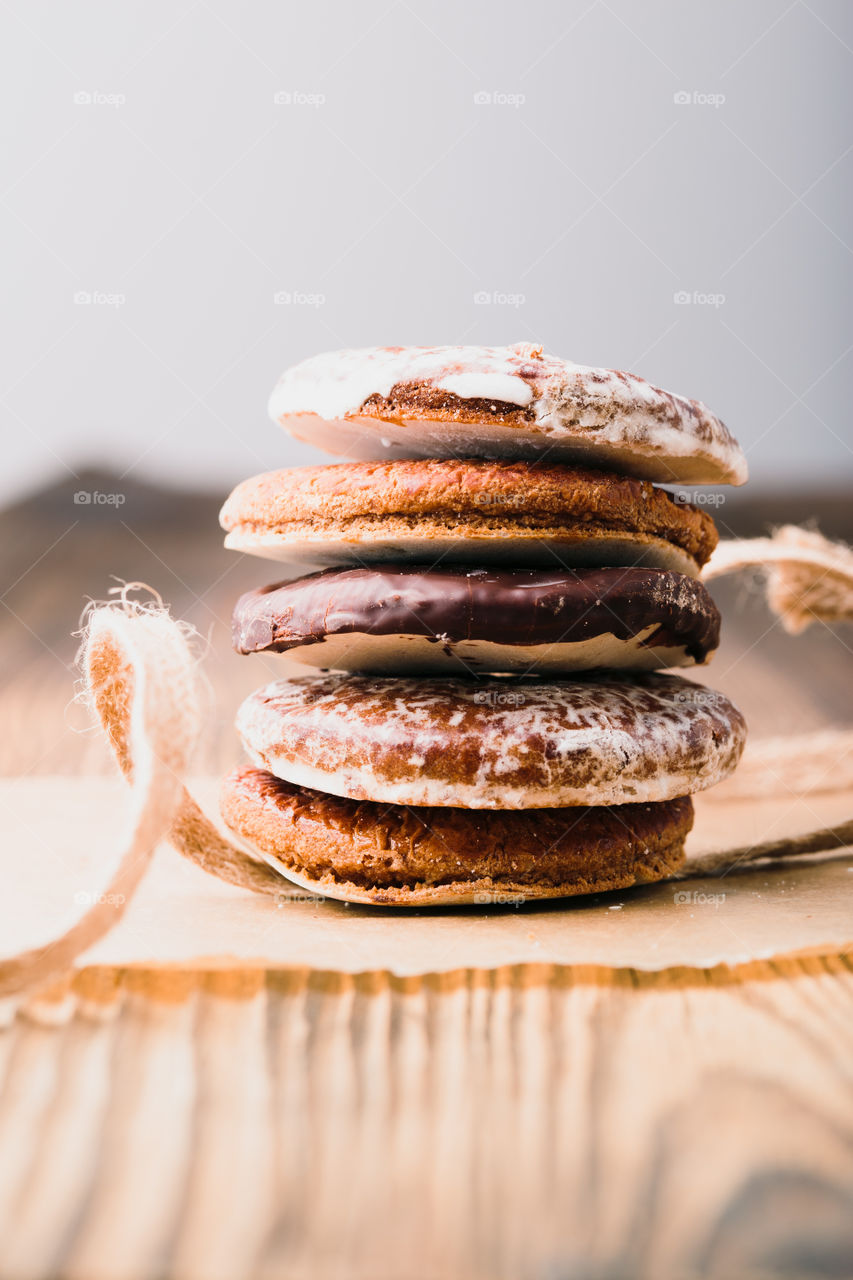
pixel 502 402
pixel 492 743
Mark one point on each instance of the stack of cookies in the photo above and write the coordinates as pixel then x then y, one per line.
pixel 498 585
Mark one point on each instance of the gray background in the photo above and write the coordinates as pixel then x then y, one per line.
pixel 181 198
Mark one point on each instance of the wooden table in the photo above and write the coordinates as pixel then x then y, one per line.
pixel 533 1122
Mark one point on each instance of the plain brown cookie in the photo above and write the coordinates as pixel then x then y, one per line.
pixel 402 856
pixel 471 511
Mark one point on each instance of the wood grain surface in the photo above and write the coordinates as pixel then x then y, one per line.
pixel 520 1123
pixel 533 1122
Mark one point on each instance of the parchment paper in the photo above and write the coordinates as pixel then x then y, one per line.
pixel 56 849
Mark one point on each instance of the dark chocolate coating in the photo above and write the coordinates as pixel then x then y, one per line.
pixel 506 606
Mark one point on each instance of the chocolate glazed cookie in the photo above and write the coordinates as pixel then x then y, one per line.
pixel 411 620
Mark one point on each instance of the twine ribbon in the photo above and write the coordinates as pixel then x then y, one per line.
pixel 141 678
pixel 809 578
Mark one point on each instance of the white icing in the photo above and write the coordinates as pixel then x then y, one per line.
pixel 488 386
pixel 485 793
pixel 337 383
pixel 580 414
pixel 597 741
